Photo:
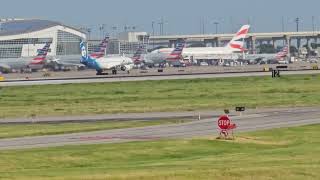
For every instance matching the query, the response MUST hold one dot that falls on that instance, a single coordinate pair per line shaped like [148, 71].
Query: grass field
[10, 131]
[289, 153]
[167, 95]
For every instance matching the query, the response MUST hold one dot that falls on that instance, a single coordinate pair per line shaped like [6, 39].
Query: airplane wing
[4, 66]
[66, 62]
[71, 64]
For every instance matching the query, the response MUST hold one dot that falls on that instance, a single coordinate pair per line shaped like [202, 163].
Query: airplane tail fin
[176, 54]
[42, 54]
[237, 42]
[84, 54]
[283, 53]
[100, 50]
[137, 56]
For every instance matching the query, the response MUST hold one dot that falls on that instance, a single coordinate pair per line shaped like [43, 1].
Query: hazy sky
[181, 16]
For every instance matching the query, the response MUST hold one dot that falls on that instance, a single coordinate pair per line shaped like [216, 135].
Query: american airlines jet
[26, 63]
[152, 58]
[279, 57]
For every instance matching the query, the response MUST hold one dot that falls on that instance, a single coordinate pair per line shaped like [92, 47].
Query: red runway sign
[224, 122]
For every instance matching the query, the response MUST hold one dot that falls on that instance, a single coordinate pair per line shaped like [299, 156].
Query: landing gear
[99, 72]
[114, 71]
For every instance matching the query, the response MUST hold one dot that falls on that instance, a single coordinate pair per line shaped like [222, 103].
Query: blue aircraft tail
[87, 60]
[84, 53]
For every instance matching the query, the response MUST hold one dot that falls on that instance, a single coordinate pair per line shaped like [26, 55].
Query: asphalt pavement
[253, 120]
[146, 78]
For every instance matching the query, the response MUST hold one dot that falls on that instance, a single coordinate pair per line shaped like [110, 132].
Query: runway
[253, 120]
[145, 78]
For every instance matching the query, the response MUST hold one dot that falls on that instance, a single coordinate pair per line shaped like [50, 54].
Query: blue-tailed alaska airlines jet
[102, 64]
[73, 60]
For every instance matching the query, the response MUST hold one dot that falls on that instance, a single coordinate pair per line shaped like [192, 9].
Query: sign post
[240, 109]
[224, 122]
[226, 126]
[275, 73]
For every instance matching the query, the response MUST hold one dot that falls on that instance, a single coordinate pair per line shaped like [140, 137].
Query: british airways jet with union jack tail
[234, 46]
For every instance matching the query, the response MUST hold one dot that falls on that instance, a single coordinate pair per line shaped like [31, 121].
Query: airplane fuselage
[15, 63]
[253, 58]
[199, 51]
[160, 55]
[109, 63]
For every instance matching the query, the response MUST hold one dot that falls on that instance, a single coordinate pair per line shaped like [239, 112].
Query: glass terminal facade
[13, 48]
[116, 47]
[22, 38]
[68, 44]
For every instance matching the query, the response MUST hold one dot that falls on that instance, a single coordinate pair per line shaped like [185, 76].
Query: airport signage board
[275, 73]
[224, 122]
[240, 109]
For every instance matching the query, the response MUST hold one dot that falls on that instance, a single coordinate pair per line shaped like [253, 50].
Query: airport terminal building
[23, 38]
[126, 43]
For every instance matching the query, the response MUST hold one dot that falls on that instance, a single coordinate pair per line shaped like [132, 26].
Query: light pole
[231, 23]
[216, 23]
[114, 28]
[202, 26]
[162, 24]
[160, 28]
[152, 24]
[282, 24]
[89, 33]
[313, 24]
[297, 20]
[102, 30]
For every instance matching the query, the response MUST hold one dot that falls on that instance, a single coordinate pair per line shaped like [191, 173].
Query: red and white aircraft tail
[176, 54]
[237, 42]
[137, 57]
[283, 53]
[100, 51]
[41, 56]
